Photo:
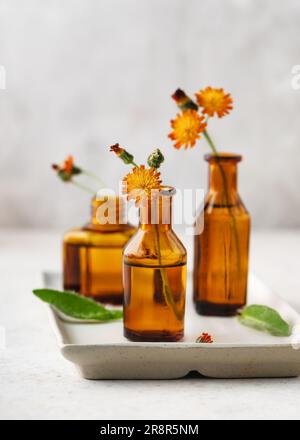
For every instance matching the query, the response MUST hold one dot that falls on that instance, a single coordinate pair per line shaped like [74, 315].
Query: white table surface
[36, 382]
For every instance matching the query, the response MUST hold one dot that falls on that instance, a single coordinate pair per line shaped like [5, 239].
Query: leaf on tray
[264, 318]
[74, 305]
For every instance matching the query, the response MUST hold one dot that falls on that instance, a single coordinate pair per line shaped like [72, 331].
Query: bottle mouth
[223, 157]
[167, 191]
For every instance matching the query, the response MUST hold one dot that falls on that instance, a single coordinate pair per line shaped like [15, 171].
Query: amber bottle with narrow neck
[154, 275]
[92, 255]
[221, 249]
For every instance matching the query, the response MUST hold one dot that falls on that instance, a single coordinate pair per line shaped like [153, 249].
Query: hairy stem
[83, 187]
[93, 176]
[165, 282]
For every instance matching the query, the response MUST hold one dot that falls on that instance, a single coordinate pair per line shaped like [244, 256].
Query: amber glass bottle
[92, 255]
[154, 275]
[221, 250]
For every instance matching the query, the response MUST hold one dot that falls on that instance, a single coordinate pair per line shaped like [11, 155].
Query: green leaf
[77, 306]
[264, 318]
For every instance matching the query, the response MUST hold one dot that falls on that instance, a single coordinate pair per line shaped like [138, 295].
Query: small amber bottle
[221, 250]
[92, 255]
[154, 275]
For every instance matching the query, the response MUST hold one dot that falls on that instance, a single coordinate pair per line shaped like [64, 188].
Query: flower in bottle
[140, 183]
[187, 128]
[214, 101]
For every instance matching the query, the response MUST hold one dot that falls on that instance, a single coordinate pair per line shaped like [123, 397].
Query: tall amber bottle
[92, 255]
[221, 250]
[154, 275]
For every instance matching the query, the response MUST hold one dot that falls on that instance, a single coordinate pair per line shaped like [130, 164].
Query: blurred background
[82, 75]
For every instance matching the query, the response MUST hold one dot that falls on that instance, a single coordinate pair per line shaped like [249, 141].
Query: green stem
[227, 201]
[83, 187]
[165, 282]
[210, 142]
[134, 164]
[93, 176]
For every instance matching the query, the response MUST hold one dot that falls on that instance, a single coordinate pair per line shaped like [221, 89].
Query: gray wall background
[82, 75]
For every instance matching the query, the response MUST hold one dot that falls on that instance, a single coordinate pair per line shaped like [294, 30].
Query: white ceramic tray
[100, 351]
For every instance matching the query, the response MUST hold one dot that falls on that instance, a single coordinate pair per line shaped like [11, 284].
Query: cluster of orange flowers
[189, 124]
[187, 127]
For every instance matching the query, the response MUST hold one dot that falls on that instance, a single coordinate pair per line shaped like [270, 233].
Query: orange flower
[187, 128]
[68, 164]
[140, 182]
[214, 101]
[117, 149]
[67, 170]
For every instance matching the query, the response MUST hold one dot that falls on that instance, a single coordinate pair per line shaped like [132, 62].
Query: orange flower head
[67, 170]
[214, 101]
[117, 149]
[205, 338]
[140, 183]
[187, 128]
[68, 164]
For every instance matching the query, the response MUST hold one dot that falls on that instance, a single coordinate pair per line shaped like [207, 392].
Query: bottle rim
[166, 190]
[234, 157]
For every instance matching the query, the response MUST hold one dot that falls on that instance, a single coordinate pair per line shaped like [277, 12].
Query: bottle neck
[156, 213]
[223, 178]
[217, 177]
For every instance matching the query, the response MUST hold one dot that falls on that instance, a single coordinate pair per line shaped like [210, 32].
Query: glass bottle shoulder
[214, 206]
[142, 249]
[99, 237]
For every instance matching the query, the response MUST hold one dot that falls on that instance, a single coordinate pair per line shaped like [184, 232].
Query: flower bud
[155, 159]
[183, 101]
[122, 154]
